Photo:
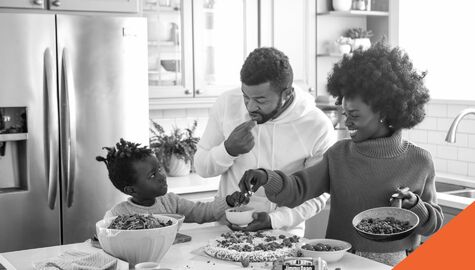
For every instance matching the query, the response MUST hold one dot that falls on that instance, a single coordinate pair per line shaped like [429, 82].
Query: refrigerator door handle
[69, 139]
[50, 129]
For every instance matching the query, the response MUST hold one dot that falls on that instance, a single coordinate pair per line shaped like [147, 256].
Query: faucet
[453, 128]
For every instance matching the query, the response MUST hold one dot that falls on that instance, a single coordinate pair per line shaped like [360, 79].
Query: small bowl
[147, 266]
[382, 213]
[329, 256]
[240, 215]
[178, 217]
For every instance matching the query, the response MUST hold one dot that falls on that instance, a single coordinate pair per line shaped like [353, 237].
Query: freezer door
[27, 79]
[104, 97]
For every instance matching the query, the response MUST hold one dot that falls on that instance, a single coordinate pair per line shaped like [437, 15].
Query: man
[265, 124]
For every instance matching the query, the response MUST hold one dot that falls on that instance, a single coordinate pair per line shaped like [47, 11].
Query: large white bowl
[329, 256]
[239, 215]
[135, 246]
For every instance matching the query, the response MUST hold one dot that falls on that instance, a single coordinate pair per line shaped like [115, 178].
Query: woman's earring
[381, 121]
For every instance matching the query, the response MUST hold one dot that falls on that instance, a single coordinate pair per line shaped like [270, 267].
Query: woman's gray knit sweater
[360, 176]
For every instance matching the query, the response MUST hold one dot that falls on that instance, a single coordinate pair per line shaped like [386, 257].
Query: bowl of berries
[330, 250]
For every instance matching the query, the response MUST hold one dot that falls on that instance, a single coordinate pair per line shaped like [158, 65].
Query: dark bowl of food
[385, 223]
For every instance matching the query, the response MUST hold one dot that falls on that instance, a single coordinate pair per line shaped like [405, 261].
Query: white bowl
[240, 215]
[178, 217]
[135, 246]
[329, 256]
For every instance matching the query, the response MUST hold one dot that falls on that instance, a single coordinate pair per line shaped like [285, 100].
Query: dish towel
[76, 260]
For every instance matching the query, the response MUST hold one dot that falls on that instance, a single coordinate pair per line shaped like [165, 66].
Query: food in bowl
[330, 250]
[387, 225]
[240, 216]
[137, 245]
[137, 222]
[178, 217]
[321, 247]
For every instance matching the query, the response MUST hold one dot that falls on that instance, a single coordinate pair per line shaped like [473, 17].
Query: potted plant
[344, 44]
[174, 151]
[360, 38]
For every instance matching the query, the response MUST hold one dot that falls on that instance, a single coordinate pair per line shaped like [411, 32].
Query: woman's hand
[261, 221]
[252, 180]
[408, 198]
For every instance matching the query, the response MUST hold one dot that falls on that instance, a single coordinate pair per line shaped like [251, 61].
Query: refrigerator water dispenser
[13, 149]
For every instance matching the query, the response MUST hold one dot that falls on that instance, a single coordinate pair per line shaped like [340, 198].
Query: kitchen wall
[181, 118]
[457, 158]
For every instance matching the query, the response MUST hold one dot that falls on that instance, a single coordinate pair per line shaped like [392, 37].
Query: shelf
[337, 55]
[354, 13]
[167, 43]
[13, 137]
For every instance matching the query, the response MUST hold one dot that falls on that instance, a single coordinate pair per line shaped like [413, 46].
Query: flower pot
[342, 5]
[178, 166]
[344, 48]
[363, 43]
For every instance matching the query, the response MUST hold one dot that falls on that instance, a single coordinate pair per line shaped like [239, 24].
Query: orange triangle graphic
[452, 247]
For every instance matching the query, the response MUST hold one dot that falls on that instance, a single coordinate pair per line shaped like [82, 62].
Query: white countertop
[192, 183]
[454, 201]
[189, 256]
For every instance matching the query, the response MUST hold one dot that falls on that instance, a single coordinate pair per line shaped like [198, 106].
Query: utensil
[394, 211]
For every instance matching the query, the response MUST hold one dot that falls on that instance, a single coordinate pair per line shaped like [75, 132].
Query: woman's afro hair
[386, 80]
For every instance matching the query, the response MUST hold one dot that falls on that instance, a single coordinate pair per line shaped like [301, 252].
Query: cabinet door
[36, 4]
[225, 31]
[129, 6]
[290, 26]
[170, 56]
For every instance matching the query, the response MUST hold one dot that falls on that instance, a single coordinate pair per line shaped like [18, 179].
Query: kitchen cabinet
[290, 26]
[380, 17]
[196, 48]
[129, 6]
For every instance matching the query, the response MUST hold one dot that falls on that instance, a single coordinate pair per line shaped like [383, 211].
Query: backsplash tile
[181, 118]
[457, 158]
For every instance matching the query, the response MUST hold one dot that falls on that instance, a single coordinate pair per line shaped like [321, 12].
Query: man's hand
[261, 221]
[236, 199]
[241, 140]
[252, 180]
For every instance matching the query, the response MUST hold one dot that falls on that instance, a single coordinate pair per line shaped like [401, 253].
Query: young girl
[381, 94]
[136, 172]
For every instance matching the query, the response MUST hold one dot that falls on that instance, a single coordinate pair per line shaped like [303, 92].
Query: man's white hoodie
[296, 139]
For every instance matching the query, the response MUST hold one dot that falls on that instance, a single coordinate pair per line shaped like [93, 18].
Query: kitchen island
[187, 256]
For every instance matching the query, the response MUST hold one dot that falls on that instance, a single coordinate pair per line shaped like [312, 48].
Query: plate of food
[245, 247]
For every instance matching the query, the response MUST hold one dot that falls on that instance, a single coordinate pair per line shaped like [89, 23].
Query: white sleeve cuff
[222, 157]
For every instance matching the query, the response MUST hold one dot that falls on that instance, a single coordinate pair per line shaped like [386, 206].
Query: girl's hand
[252, 180]
[237, 199]
[408, 198]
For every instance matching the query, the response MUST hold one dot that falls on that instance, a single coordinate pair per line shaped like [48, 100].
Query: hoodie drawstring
[258, 148]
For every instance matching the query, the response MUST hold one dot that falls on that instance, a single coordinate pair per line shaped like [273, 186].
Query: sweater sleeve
[285, 218]
[211, 158]
[199, 212]
[429, 212]
[299, 187]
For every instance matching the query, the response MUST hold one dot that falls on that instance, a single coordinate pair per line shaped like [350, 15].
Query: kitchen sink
[444, 187]
[467, 193]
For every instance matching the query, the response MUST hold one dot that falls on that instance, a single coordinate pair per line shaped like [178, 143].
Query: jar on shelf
[342, 5]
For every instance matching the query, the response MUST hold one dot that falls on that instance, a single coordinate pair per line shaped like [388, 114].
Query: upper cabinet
[196, 48]
[290, 26]
[128, 6]
[335, 18]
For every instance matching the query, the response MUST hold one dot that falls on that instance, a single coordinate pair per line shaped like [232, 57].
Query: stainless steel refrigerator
[82, 81]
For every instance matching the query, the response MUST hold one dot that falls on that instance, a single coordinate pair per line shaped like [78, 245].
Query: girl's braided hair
[119, 161]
